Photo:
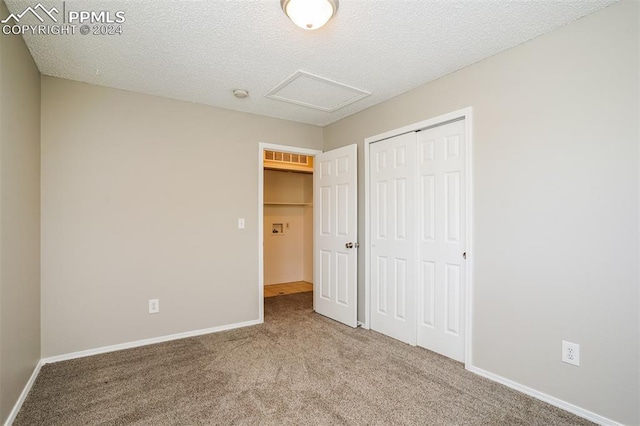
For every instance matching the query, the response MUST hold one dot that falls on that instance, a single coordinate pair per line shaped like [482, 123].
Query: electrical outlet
[241, 223]
[154, 306]
[571, 353]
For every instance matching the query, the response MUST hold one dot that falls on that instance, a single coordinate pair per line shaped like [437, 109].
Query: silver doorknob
[349, 245]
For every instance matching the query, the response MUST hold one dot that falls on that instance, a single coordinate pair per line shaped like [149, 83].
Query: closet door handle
[349, 245]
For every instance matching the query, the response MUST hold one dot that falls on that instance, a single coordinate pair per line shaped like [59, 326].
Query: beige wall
[283, 252]
[555, 205]
[140, 200]
[19, 218]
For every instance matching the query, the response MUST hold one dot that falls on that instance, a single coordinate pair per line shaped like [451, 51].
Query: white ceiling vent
[313, 91]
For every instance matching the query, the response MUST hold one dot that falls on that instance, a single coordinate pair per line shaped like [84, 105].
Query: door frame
[262, 146]
[467, 115]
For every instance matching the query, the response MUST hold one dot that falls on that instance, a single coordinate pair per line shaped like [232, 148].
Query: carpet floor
[296, 368]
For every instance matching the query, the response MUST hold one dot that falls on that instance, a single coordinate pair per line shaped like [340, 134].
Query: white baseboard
[23, 395]
[586, 414]
[144, 342]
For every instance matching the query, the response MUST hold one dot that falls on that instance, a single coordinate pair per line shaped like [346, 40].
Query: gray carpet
[296, 368]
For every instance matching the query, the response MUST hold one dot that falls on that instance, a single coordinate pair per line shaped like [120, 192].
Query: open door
[336, 235]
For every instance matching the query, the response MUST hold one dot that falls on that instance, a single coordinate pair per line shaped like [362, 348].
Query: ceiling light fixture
[309, 14]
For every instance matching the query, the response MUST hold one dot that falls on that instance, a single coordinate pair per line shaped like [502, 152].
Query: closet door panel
[440, 285]
[393, 237]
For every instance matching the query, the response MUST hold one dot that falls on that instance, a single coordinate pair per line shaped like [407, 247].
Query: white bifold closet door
[393, 237]
[417, 193]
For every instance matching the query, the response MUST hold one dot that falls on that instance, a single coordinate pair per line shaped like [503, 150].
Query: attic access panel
[313, 91]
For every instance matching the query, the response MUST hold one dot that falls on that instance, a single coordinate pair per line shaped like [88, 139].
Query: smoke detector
[240, 93]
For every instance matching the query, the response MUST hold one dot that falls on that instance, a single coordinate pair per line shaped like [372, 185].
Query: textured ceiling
[200, 51]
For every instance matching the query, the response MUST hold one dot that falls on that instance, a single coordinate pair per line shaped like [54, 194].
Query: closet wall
[288, 252]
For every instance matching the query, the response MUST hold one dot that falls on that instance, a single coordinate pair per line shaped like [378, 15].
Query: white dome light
[309, 14]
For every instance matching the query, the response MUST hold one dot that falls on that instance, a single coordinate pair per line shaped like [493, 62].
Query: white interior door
[393, 237]
[441, 230]
[335, 202]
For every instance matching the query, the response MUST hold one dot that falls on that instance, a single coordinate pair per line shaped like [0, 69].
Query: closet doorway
[285, 221]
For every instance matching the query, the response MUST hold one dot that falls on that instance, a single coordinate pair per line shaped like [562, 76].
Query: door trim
[467, 115]
[262, 146]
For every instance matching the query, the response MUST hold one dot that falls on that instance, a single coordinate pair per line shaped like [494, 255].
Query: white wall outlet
[154, 306]
[571, 353]
[241, 223]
